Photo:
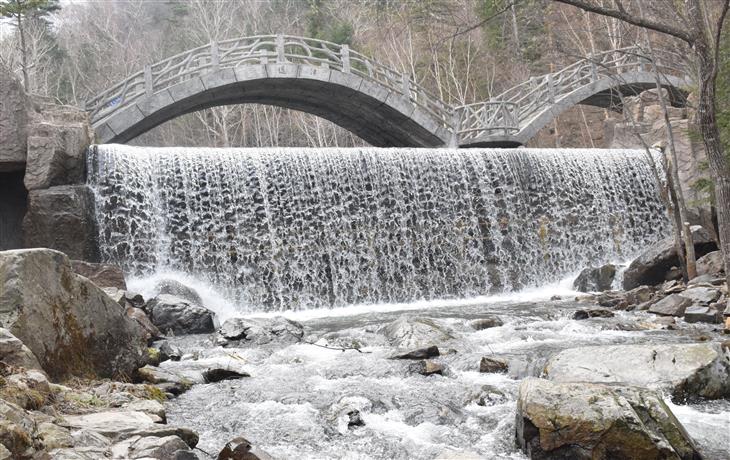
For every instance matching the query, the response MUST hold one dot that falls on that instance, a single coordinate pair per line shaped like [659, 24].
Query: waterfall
[280, 229]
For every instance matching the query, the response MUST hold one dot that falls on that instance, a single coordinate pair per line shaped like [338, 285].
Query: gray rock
[593, 313]
[147, 447]
[69, 324]
[421, 353]
[260, 331]
[177, 289]
[701, 295]
[683, 370]
[152, 333]
[639, 295]
[486, 323]
[652, 266]
[589, 421]
[241, 449]
[673, 305]
[595, 279]
[14, 107]
[15, 353]
[426, 367]
[726, 313]
[168, 351]
[702, 314]
[103, 275]
[181, 316]
[218, 375]
[711, 264]
[493, 365]
[56, 152]
[413, 332]
[62, 218]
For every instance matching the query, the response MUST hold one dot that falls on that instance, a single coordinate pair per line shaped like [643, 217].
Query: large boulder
[103, 275]
[558, 420]
[70, 324]
[56, 152]
[711, 264]
[178, 289]
[415, 332]
[652, 266]
[62, 218]
[259, 331]
[595, 279]
[14, 107]
[171, 313]
[686, 371]
[672, 305]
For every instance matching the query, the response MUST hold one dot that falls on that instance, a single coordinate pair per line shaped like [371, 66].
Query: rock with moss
[557, 420]
[685, 371]
[69, 324]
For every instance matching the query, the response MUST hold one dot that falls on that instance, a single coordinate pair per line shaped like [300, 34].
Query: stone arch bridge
[380, 105]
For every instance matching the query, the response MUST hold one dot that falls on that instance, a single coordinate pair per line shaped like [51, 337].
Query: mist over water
[287, 229]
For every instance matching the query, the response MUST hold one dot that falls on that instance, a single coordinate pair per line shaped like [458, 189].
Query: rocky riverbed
[90, 370]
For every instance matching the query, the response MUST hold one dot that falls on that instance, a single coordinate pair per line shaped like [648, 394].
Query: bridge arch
[515, 116]
[378, 104]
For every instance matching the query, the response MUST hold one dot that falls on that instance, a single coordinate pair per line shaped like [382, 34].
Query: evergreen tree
[20, 11]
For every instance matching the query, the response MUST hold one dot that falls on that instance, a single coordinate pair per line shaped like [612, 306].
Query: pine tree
[19, 11]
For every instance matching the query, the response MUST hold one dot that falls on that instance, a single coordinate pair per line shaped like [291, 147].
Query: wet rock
[354, 419]
[593, 313]
[241, 449]
[13, 352]
[652, 266]
[701, 295]
[103, 275]
[168, 351]
[152, 333]
[171, 382]
[69, 324]
[171, 313]
[414, 332]
[684, 370]
[177, 289]
[62, 218]
[426, 367]
[612, 300]
[639, 295]
[260, 331]
[421, 353]
[583, 420]
[493, 365]
[702, 314]
[217, 375]
[595, 279]
[711, 264]
[486, 323]
[673, 305]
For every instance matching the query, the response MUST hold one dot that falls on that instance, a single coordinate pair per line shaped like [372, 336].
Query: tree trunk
[23, 54]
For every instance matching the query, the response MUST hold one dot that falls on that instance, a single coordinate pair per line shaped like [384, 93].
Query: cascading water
[285, 229]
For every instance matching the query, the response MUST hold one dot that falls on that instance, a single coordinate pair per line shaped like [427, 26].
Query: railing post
[455, 126]
[148, 80]
[280, 57]
[264, 57]
[551, 88]
[406, 86]
[594, 69]
[215, 57]
[345, 56]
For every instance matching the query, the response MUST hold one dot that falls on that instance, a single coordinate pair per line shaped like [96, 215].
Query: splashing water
[287, 229]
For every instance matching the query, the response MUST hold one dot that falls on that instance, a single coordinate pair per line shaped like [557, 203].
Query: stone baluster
[345, 57]
[148, 87]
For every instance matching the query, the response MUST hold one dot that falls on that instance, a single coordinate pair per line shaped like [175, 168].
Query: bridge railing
[533, 96]
[263, 49]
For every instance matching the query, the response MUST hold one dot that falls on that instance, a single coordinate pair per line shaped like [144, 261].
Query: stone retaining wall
[42, 146]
